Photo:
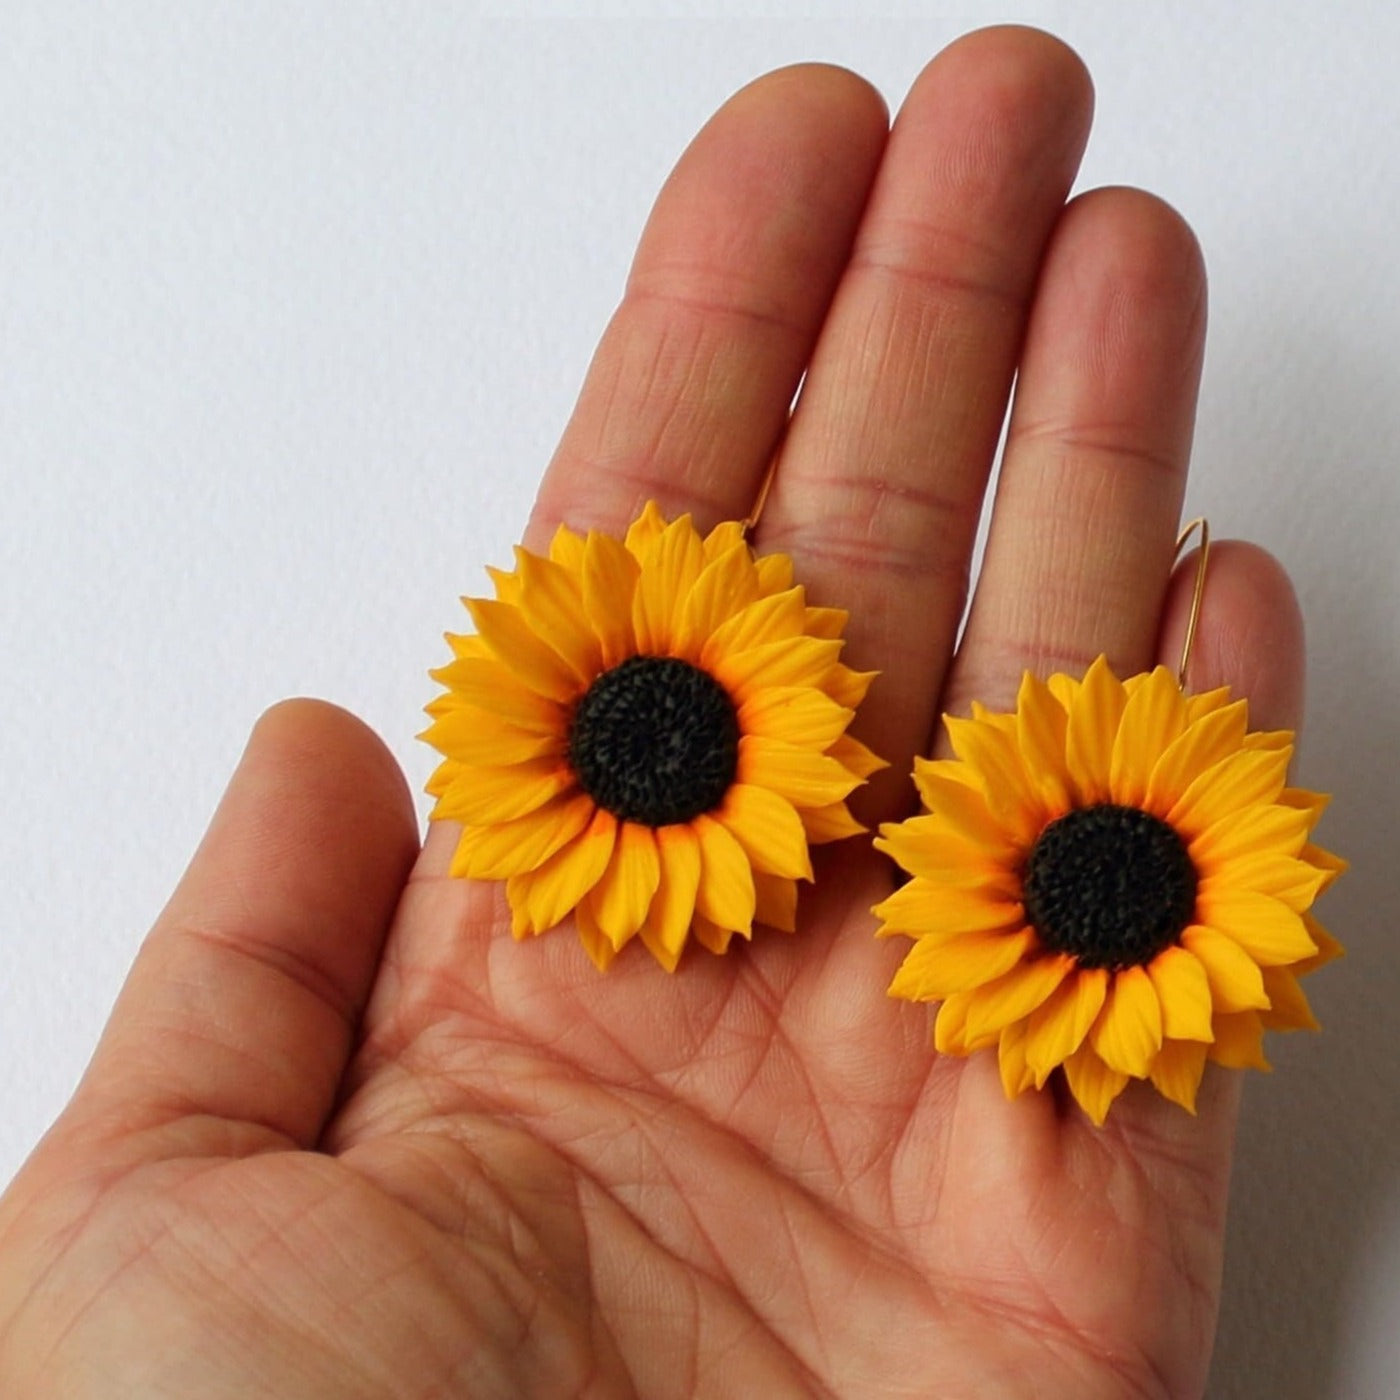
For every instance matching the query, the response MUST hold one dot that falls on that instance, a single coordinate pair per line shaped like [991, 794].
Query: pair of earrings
[650, 733]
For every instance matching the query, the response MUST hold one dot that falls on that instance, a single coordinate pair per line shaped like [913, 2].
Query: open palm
[345, 1138]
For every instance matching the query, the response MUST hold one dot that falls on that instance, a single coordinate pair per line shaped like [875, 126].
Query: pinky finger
[1250, 638]
[1250, 635]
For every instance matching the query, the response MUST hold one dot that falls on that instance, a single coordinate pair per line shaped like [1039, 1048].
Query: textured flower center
[655, 740]
[1112, 886]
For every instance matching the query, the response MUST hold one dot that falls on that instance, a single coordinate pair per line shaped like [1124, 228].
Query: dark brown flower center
[655, 740]
[1111, 886]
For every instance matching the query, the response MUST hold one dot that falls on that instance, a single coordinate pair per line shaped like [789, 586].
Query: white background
[294, 301]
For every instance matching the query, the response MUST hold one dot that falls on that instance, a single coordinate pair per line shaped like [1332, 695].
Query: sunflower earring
[648, 734]
[1114, 879]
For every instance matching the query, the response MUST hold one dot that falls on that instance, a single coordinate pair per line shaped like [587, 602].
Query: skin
[344, 1138]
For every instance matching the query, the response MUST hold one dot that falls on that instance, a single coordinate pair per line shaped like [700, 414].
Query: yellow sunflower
[647, 734]
[1114, 879]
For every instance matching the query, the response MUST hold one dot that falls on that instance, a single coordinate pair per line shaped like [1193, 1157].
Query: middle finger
[880, 482]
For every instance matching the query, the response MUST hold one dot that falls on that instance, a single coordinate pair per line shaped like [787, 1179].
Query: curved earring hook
[1197, 593]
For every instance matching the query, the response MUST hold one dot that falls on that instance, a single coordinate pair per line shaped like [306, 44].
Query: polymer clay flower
[647, 734]
[1114, 879]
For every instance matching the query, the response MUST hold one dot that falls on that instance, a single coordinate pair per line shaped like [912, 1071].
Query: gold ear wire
[1197, 593]
[751, 520]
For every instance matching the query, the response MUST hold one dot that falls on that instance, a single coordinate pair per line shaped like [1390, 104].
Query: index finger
[688, 393]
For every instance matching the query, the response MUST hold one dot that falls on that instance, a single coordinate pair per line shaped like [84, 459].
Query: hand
[343, 1137]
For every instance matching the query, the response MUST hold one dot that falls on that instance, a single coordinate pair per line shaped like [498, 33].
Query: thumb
[244, 999]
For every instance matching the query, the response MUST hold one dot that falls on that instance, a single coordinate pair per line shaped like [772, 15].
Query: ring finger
[1083, 529]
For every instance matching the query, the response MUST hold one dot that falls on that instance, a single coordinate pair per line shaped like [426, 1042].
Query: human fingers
[1084, 525]
[689, 390]
[1140, 1201]
[1250, 638]
[880, 481]
[243, 1001]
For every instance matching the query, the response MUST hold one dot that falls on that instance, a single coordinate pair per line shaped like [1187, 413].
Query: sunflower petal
[1330, 864]
[936, 968]
[1293, 882]
[1239, 782]
[1153, 718]
[723, 538]
[831, 823]
[650, 940]
[825, 622]
[1288, 1004]
[1206, 702]
[468, 647]
[645, 531]
[473, 736]
[725, 587]
[923, 909]
[848, 687]
[1094, 720]
[796, 715]
[507, 584]
[486, 684]
[595, 942]
[855, 757]
[791, 661]
[1064, 688]
[725, 895]
[966, 811]
[1240, 834]
[441, 705]
[775, 901]
[1177, 1071]
[992, 754]
[553, 606]
[669, 572]
[532, 661]
[609, 586]
[1057, 1027]
[1094, 1084]
[442, 778]
[771, 618]
[1313, 803]
[947, 770]
[1041, 723]
[1184, 991]
[510, 848]
[1128, 1032]
[1328, 949]
[566, 548]
[1015, 994]
[950, 1033]
[1016, 1075]
[774, 573]
[1236, 983]
[520, 925]
[768, 828]
[1201, 745]
[804, 777]
[1267, 929]
[623, 894]
[673, 910]
[711, 935]
[548, 894]
[925, 846]
[1239, 1042]
[482, 796]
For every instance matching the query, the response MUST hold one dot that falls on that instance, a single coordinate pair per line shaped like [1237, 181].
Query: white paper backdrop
[294, 300]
